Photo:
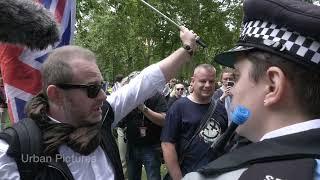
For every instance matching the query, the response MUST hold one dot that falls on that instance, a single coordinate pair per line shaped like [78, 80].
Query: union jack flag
[20, 67]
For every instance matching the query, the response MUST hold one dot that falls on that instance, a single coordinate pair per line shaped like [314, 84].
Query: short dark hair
[305, 83]
[227, 70]
[118, 77]
[57, 70]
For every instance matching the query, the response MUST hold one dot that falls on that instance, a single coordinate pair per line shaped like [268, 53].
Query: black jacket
[271, 156]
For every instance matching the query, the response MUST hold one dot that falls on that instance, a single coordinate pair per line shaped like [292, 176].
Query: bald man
[185, 146]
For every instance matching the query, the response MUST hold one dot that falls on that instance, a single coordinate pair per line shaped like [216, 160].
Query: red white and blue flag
[20, 67]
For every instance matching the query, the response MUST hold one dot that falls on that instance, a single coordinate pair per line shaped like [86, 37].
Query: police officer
[277, 64]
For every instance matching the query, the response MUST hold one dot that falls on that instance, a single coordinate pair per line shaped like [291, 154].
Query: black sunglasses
[92, 89]
[178, 89]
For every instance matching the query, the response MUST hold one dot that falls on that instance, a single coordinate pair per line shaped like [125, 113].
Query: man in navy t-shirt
[183, 119]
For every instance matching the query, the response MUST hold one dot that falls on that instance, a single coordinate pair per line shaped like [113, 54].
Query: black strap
[24, 139]
[32, 144]
[108, 143]
[10, 136]
[29, 136]
[203, 122]
[61, 166]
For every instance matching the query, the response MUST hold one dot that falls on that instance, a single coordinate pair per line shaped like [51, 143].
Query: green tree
[126, 35]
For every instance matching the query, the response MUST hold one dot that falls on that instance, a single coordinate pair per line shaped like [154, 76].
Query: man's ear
[192, 81]
[54, 94]
[275, 85]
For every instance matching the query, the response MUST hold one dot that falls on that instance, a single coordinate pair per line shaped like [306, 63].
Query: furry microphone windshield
[26, 23]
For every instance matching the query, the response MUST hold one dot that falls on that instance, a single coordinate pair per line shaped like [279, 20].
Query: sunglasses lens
[93, 90]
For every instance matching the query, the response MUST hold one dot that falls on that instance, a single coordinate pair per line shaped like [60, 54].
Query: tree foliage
[126, 35]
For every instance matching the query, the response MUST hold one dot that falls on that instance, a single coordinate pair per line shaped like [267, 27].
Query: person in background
[122, 145]
[227, 78]
[172, 83]
[186, 138]
[190, 90]
[169, 87]
[223, 94]
[177, 92]
[117, 83]
[143, 129]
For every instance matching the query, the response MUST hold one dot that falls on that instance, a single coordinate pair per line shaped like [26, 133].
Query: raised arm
[152, 79]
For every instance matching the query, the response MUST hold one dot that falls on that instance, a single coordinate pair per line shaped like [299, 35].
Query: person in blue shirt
[186, 147]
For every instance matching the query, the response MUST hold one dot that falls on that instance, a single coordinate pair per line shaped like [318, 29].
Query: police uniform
[291, 30]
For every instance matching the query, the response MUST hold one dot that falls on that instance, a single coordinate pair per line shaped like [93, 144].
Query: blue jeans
[149, 156]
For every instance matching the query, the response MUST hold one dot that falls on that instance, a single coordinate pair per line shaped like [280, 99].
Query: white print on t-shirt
[211, 131]
[269, 177]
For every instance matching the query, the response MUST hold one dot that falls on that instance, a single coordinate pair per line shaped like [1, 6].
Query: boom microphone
[26, 23]
[238, 117]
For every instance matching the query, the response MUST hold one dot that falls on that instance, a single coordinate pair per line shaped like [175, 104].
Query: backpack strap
[24, 140]
[30, 145]
[205, 118]
[61, 166]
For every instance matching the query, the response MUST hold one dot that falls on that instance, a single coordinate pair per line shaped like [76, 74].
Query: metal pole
[161, 14]
[198, 40]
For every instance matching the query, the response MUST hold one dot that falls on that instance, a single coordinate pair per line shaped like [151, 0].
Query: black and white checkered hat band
[292, 42]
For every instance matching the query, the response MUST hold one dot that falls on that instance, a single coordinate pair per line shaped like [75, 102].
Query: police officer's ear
[55, 94]
[276, 86]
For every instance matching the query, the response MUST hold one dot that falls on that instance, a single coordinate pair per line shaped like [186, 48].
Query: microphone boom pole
[161, 14]
[198, 40]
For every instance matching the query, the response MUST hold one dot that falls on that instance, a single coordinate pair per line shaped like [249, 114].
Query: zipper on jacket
[64, 175]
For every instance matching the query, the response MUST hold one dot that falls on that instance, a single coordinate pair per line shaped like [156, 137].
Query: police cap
[287, 28]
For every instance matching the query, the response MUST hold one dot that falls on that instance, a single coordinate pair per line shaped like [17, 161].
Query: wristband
[145, 108]
[188, 49]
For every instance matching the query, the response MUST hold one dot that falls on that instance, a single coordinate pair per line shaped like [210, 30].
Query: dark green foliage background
[126, 35]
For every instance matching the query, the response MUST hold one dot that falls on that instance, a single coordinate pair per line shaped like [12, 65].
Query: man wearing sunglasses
[75, 117]
[176, 93]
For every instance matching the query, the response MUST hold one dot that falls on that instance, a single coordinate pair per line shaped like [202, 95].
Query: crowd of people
[138, 134]
[273, 72]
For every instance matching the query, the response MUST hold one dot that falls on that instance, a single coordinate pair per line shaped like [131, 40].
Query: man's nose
[208, 84]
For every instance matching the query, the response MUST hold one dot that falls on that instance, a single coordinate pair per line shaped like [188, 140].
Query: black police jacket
[283, 156]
